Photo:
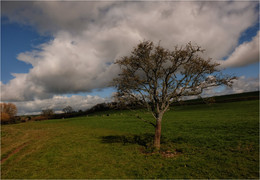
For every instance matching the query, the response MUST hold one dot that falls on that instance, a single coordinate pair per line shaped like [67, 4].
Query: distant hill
[238, 97]
[223, 98]
[215, 99]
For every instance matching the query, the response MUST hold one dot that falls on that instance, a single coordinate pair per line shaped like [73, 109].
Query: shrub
[39, 118]
[8, 112]
[5, 118]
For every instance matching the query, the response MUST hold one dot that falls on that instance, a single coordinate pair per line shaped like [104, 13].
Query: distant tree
[155, 77]
[8, 112]
[68, 109]
[5, 118]
[47, 113]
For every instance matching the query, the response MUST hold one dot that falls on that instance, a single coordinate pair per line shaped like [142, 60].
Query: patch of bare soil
[16, 150]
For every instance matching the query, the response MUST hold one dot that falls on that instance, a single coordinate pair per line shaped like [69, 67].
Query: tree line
[8, 113]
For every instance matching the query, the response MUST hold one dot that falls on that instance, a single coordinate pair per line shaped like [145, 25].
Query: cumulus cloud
[89, 36]
[240, 85]
[66, 65]
[245, 54]
[244, 84]
[57, 103]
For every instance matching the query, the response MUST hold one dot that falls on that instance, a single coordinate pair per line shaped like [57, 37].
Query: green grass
[216, 141]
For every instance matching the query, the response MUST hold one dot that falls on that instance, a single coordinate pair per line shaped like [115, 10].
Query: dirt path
[16, 150]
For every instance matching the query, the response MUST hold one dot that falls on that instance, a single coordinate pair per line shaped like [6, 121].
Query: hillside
[214, 99]
[217, 141]
[225, 98]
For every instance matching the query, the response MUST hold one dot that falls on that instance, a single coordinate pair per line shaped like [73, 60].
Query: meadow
[210, 141]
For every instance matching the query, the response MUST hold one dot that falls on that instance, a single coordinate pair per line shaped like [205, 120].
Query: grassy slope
[217, 141]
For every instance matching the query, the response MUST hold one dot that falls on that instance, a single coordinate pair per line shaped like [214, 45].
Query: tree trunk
[157, 137]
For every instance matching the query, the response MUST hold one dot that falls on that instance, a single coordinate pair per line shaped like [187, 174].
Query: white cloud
[57, 103]
[65, 65]
[244, 84]
[245, 54]
[89, 36]
[240, 85]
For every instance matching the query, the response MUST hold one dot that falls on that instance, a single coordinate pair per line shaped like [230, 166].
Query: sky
[60, 53]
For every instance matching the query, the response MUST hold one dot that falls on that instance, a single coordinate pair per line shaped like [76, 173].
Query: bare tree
[155, 77]
[47, 113]
[68, 109]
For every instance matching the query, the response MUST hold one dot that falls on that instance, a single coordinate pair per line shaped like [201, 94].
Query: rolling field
[216, 141]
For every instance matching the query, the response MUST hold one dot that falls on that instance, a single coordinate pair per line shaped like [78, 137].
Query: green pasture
[210, 141]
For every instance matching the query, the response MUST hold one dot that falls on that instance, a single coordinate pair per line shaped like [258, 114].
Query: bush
[39, 118]
[5, 118]
[8, 112]
[25, 119]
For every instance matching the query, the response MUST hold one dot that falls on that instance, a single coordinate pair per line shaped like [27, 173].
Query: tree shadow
[142, 140]
[145, 140]
[146, 143]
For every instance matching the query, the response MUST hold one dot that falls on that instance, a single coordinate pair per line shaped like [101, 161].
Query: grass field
[216, 141]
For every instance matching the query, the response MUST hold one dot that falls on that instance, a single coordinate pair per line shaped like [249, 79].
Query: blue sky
[17, 38]
[51, 58]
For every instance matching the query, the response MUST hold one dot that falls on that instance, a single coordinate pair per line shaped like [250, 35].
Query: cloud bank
[57, 103]
[89, 36]
[240, 85]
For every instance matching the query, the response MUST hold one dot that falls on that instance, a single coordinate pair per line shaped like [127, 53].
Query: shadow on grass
[145, 140]
[146, 143]
[142, 140]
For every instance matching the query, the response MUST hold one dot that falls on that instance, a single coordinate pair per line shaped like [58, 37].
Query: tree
[5, 118]
[8, 112]
[47, 113]
[155, 77]
[68, 109]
